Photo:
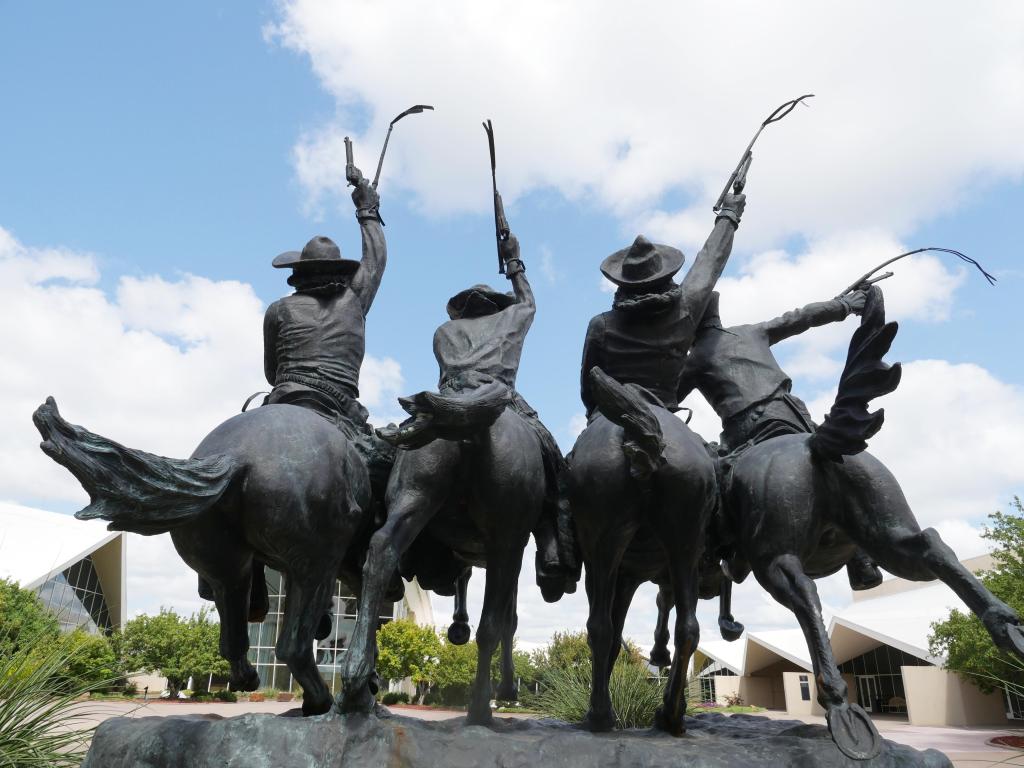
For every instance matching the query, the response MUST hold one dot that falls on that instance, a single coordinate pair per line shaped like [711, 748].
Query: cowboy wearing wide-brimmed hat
[644, 339]
[314, 340]
[736, 372]
[478, 351]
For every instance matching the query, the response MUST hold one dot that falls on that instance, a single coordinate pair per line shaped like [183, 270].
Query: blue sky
[168, 141]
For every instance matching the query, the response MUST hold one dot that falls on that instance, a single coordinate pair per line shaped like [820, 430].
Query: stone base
[268, 741]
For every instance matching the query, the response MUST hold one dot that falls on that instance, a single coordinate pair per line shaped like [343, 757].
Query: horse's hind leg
[919, 555]
[660, 656]
[602, 575]
[851, 728]
[303, 609]
[507, 688]
[503, 567]
[225, 568]
[232, 600]
[458, 631]
[420, 483]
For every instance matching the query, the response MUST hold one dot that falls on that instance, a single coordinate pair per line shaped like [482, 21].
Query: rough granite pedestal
[391, 741]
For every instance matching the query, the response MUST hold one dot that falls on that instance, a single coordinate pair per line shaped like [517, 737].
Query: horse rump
[849, 425]
[626, 405]
[134, 490]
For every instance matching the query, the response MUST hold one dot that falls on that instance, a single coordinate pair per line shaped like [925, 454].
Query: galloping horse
[801, 504]
[280, 484]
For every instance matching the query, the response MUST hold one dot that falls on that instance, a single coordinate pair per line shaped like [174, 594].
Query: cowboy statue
[736, 372]
[641, 484]
[478, 352]
[314, 343]
[477, 474]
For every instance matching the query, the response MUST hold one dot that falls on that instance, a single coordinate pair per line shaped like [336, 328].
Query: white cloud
[917, 105]
[548, 267]
[156, 366]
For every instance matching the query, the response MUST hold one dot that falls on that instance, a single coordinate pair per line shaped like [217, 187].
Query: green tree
[174, 647]
[962, 638]
[405, 649]
[455, 672]
[24, 620]
[92, 661]
[567, 650]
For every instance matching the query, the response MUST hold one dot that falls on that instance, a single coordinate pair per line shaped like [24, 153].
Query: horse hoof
[311, 706]
[479, 715]
[323, 627]
[730, 630]
[596, 723]
[458, 633]
[249, 680]
[1015, 639]
[357, 699]
[507, 693]
[671, 726]
[853, 732]
[660, 657]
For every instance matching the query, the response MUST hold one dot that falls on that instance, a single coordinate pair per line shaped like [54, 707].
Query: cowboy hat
[320, 252]
[642, 264]
[478, 300]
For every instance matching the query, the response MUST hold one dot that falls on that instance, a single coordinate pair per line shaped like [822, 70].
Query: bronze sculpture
[641, 483]
[284, 484]
[477, 474]
[300, 483]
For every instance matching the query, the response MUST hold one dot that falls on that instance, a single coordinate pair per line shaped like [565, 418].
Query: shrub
[201, 696]
[42, 720]
[395, 697]
[226, 695]
[565, 693]
[733, 700]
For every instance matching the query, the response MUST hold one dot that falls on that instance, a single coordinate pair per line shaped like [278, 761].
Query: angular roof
[36, 544]
[898, 613]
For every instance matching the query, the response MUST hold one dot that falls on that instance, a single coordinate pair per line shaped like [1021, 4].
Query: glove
[364, 196]
[732, 208]
[854, 302]
[509, 250]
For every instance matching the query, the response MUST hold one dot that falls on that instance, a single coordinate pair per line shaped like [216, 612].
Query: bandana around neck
[646, 302]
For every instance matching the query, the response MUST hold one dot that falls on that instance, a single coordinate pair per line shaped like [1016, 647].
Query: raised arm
[367, 278]
[515, 270]
[708, 266]
[797, 321]
[270, 323]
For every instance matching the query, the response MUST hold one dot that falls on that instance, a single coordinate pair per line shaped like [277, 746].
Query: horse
[642, 489]
[279, 485]
[800, 505]
[479, 496]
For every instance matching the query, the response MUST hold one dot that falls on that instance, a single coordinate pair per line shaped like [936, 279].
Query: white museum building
[880, 642]
[77, 567]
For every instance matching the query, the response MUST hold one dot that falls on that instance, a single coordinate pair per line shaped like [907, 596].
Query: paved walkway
[966, 747]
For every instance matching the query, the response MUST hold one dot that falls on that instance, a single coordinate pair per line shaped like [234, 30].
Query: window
[330, 652]
[805, 688]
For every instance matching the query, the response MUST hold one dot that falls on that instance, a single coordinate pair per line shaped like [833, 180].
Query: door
[867, 691]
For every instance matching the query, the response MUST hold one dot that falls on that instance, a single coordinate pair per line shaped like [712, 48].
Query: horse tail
[457, 416]
[134, 490]
[626, 406]
[849, 425]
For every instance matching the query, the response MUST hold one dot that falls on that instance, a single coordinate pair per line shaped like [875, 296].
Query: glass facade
[706, 678]
[330, 651]
[879, 679]
[76, 598]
